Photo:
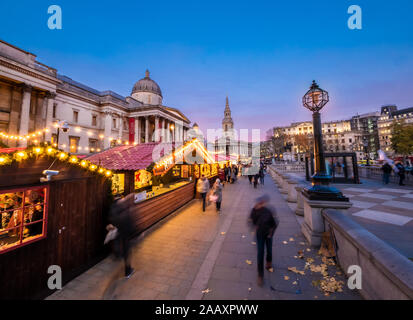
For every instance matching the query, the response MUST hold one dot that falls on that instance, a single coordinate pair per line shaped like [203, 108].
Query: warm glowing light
[77, 129]
[101, 136]
[108, 172]
[93, 167]
[73, 159]
[38, 150]
[98, 150]
[21, 154]
[101, 170]
[2, 160]
[83, 163]
[62, 155]
[49, 150]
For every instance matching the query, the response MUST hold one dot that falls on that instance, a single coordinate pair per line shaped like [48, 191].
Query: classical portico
[33, 97]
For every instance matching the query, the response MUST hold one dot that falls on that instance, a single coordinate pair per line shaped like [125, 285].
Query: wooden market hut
[69, 228]
[161, 159]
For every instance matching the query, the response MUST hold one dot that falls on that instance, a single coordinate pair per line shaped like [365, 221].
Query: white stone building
[34, 96]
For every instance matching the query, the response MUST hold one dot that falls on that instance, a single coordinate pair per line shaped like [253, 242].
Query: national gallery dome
[147, 91]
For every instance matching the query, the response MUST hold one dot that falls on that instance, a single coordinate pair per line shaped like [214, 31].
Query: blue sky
[262, 54]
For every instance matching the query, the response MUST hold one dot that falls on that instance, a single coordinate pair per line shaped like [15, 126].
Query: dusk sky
[262, 54]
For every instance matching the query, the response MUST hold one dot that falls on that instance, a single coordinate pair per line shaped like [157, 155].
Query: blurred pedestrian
[401, 173]
[256, 178]
[120, 218]
[217, 194]
[387, 169]
[202, 187]
[265, 224]
[262, 175]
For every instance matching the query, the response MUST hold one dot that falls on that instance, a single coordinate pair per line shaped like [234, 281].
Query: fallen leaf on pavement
[253, 243]
[291, 239]
[206, 291]
[295, 282]
[310, 260]
[308, 250]
[248, 261]
[302, 243]
[222, 232]
[271, 269]
[286, 278]
[249, 289]
[285, 242]
[294, 269]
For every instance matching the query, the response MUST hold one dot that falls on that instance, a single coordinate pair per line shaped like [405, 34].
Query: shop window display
[23, 217]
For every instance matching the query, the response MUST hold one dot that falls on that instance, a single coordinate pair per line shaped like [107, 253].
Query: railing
[290, 167]
[375, 173]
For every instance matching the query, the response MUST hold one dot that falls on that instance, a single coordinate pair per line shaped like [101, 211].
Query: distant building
[228, 145]
[389, 115]
[366, 125]
[337, 137]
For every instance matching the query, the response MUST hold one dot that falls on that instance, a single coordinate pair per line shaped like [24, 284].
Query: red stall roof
[10, 150]
[129, 157]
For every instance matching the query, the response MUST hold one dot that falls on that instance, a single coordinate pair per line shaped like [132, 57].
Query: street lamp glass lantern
[315, 98]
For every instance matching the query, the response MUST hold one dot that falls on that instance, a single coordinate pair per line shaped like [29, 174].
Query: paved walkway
[195, 255]
[384, 210]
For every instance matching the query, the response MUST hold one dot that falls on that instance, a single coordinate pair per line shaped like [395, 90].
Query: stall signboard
[185, 171]
[205, 170]
[214, 169]
[196, 171]
[118, 183]
[176, 171]
[143, 178]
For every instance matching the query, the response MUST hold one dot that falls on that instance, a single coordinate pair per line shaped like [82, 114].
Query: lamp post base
[324, 193]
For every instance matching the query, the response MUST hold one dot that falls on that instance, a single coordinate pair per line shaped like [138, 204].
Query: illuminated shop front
[45, 220]
[23, 216]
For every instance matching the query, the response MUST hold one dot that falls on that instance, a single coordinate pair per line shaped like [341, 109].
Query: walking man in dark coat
[265, 225]
[120, 217]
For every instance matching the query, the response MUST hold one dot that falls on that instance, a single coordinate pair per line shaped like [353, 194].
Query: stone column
[108, 130]
[137, 131]
[49, 114]
[313, 226]
[156, 132]
[146, 129]
[25, 113]
[163, 135]
[120, 128]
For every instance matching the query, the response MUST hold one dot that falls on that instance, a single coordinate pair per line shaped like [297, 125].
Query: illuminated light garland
[179, 153]
[36, 134]
[35, 151]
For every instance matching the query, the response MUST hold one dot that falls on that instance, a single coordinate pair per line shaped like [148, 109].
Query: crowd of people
[398, 169]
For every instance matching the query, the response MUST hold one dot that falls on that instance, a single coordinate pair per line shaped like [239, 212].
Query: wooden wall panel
[23, 271]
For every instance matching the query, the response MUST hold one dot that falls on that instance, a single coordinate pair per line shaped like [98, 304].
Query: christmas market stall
[53, 213]
[162, 176]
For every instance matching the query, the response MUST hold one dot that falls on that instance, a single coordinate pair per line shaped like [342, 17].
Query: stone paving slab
[191, 251]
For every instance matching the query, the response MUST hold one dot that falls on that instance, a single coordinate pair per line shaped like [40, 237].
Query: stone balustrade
[385, 273]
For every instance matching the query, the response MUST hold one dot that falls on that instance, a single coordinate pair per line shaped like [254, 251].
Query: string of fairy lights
[47, 150]
[36, 138]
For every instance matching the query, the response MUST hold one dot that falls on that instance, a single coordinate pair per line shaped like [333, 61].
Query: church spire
[147, 73]
[227, 122]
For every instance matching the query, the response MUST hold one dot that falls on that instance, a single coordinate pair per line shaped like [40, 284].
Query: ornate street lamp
[314, 100]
